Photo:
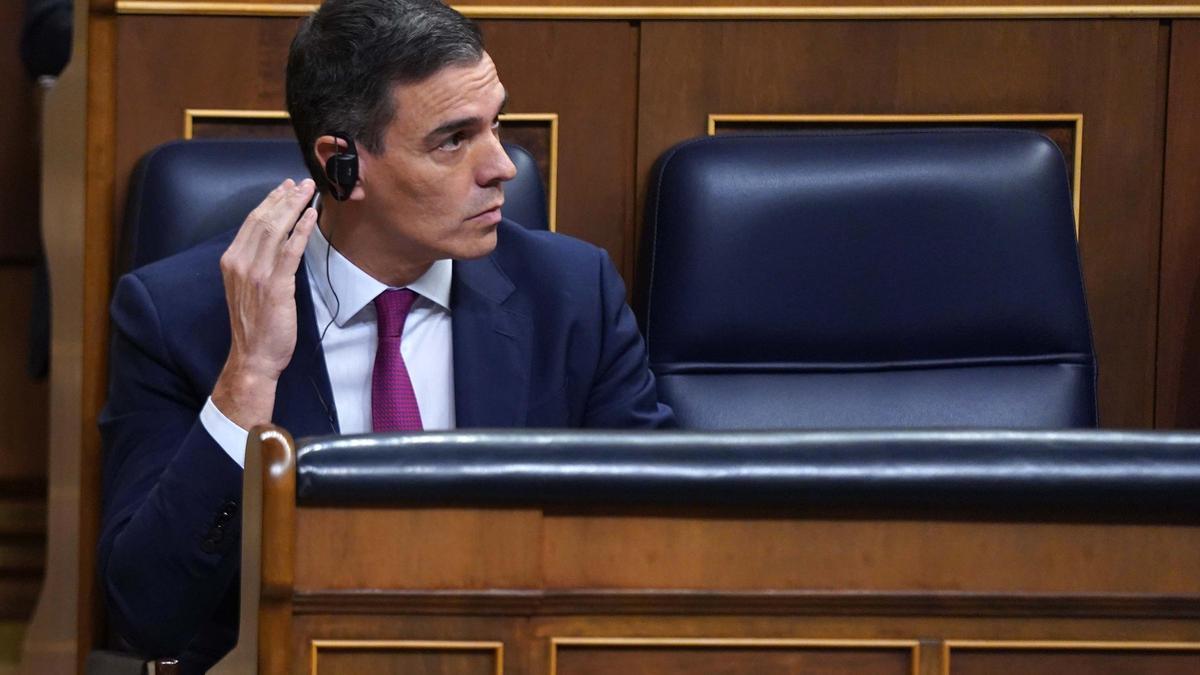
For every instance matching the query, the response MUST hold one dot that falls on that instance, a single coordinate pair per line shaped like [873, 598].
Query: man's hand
[259, 271]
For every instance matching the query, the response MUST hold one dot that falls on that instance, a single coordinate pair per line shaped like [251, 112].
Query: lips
[494, 207]
[490, 213]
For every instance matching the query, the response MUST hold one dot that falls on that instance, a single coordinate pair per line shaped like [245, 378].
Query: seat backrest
[878, 279]
[184, 192]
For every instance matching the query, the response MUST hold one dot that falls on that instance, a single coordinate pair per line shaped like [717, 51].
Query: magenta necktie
[393, 402]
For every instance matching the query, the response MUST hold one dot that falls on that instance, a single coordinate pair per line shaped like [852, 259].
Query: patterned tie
[393, 402]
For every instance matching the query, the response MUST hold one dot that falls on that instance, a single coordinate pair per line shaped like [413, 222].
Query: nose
[497, 167]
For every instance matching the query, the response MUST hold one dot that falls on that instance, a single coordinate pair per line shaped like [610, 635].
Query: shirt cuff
[225, 432]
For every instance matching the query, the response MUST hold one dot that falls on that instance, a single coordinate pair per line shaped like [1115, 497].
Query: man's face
[435, 188]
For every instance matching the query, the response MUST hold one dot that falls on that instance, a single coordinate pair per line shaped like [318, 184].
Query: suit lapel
[304, 400]
[492, 348]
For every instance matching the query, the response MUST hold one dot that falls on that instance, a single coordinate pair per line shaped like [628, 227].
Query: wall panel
[166, 65]
[584, 72]
[627, 87]
[1111, 72]
[22, 398]
[1178, 399]
[587, 74]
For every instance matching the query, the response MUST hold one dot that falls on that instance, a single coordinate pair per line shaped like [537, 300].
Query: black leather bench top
[1109, 474]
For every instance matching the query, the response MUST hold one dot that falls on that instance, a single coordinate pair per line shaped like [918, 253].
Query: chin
[477, 247]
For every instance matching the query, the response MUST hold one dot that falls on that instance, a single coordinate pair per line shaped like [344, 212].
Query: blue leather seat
[878, 279]
[184, 192]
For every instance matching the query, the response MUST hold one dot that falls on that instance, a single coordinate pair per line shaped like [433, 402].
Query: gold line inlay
[913, 646]
[192, 115]
[496, 647]
[1063, 645]
[552, 178]
[651, 12]
[1075, 118]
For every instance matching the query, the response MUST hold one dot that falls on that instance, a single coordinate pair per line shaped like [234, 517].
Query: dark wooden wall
[23, 399]
[625, 91]
[626, 85]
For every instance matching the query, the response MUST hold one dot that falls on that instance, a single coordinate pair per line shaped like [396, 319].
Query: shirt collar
[356, 289]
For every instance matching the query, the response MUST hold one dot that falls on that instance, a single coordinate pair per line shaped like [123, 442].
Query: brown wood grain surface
[868, 555]
[97, 264]
[427, 548]
[166, 65]
[277, 571]
[528, 641]
[519, 549]
[23, 413]
[771, 602]
[625, 91]
[1110, 71]
[1178, 393]
[402, 659]
[19, 165]
[1075, 662]
[686, 659]
[587, 74]
[730, 3]
[23, 399]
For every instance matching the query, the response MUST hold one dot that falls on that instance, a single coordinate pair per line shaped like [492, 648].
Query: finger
[248, 231]
[281, 219]
[293, 248]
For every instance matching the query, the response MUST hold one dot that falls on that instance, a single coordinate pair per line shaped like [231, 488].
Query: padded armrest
[1095, 473]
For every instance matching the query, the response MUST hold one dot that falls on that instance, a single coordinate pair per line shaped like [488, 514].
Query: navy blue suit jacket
[542, 338]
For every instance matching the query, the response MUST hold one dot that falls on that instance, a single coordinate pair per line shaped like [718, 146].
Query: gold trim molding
[497, 648]
[1075, 118]
[659, 12]
[914, 646]
[192, 115]
[1061, 645]
[552, 178]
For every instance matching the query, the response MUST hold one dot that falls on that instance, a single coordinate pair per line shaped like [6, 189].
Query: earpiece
[341, 169]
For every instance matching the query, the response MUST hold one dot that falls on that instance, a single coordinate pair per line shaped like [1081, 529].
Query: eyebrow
[454, 126]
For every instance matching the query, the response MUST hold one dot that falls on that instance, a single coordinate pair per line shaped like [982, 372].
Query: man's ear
[326, 147]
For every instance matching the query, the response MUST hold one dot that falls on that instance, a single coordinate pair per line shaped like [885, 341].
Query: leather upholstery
[1038, 473]
[184, 192]
[880, 279]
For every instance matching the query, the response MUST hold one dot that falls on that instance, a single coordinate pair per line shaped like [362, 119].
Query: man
[363, 323]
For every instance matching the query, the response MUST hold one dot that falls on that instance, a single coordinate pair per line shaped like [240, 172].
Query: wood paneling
[1109, 71]
[22, 452]
[22, 548]
[587, 74]
[23, 400]
[399, 657]
[249, 6]
[166, 65]
[1076, 662]
[433, 548]
[1178, 399]
[97, 263]
[595, 97]
[624, 92]
[19, 169]
[690, 658]
[23, 413]
[740, 554]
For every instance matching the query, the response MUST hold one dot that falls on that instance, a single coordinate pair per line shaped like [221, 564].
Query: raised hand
[259, 272]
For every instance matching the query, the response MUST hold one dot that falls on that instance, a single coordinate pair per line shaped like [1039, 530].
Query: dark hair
[347, 56]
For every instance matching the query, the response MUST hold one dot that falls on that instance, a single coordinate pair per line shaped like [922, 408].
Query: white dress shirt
[351, 340]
